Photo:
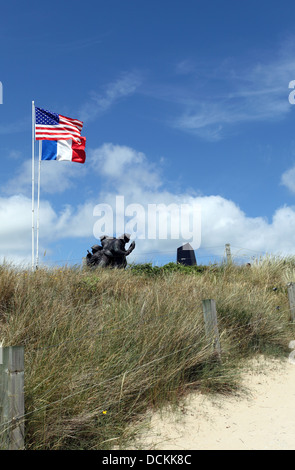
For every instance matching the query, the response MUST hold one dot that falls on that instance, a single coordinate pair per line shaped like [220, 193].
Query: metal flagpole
[33, 181]
[38, 204]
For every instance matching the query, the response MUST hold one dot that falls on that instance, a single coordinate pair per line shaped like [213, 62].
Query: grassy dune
[103, 346]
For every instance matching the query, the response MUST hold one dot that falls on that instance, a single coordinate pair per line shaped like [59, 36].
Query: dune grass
[104, 346]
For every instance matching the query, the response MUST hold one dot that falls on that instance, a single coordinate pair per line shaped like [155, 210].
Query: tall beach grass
[104, 346]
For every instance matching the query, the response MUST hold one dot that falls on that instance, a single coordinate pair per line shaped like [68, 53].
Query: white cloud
[124, 167]
[14, 154]
[16, 226]
[223, 221]
[185, 67]
[227, 94]
[288, 179]
[56, 177]
[99, 103]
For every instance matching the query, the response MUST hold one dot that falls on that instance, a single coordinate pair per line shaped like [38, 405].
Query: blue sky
[183, 102]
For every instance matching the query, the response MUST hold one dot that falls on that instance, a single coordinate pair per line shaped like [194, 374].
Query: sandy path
[261, 419]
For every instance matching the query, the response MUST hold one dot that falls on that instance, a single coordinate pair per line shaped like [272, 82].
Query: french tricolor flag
[64, 150]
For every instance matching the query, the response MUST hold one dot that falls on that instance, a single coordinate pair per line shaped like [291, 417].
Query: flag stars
[46, 117]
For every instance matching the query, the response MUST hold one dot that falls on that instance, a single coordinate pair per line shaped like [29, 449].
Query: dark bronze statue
[111, 253]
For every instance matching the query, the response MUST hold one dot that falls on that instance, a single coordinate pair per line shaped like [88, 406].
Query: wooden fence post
[211, 327]
[228, 253]
[12, 398]
[291, 296]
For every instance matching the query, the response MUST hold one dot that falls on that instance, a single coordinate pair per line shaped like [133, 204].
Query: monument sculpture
[111, 253]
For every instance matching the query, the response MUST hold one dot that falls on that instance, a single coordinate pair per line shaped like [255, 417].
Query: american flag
[52, 126]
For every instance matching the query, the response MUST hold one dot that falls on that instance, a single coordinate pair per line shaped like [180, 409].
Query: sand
[261, 417]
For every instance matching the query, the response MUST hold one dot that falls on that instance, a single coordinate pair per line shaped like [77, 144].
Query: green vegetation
[150, 270]
[104, 346]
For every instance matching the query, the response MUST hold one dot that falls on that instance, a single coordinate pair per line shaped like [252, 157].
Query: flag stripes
[52, 126]
[64, 150]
